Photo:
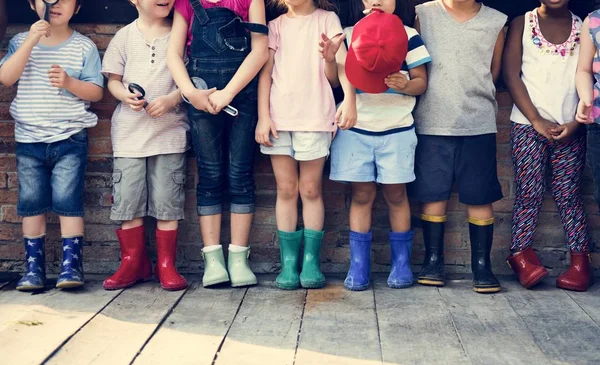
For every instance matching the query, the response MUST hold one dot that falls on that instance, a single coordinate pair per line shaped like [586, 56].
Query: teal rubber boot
[289, 249]
[239, 270]
[311, 276]
[214, 268]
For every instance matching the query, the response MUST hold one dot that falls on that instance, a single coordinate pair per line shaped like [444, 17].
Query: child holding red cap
[456, 124]
[386, 65]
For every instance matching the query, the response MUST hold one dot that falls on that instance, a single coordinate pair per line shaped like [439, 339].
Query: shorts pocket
[117, 174]
[79, 138]
[179, 188]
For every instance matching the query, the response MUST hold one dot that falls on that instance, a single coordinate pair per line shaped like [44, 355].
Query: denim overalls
[224, 145]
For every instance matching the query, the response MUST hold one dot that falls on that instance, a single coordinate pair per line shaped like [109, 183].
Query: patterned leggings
[530, 154]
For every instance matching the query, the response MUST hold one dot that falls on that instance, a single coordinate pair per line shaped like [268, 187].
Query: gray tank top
[460, 98]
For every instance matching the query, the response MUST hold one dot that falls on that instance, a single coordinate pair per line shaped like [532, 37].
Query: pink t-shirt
[301, 96]
[240, 7]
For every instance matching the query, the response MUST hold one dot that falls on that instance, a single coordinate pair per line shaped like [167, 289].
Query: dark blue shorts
[468, 161]
[51, 176]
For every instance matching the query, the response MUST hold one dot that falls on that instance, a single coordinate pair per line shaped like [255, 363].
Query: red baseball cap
[378, 48]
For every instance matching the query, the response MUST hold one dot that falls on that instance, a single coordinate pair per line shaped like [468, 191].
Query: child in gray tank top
[456, 124]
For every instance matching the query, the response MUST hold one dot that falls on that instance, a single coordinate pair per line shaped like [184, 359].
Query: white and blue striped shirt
[44, 113]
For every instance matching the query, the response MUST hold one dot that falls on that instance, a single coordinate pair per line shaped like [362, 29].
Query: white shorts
[301, 146]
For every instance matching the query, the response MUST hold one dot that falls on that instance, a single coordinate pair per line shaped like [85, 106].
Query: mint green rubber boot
[239, 270]
[214, 268]
[311, 276]
[289, 249]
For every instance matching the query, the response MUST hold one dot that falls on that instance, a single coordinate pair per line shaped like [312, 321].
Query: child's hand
[200, 100]
[584, 112]
[59, 77]
[131, 100]
[329, 47]
[160, 106]
[565, 134]
[546, 128]
[264, 129]
[397, 81]
[346, 115]
[38, 30]
[220, 99]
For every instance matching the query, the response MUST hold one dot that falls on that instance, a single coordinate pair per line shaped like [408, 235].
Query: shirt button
[154, 54]
[152, 61]
[153, 48]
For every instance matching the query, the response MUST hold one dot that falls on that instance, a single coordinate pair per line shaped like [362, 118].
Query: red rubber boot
[135, 265]
[166, 272]
[527, 266]
[578, 276]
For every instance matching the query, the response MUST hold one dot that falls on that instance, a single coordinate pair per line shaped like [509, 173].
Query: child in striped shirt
[58, 71]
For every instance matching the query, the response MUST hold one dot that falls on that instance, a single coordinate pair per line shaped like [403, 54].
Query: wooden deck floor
[263, 325]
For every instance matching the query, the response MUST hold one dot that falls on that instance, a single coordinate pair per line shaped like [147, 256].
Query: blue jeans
[593, 156]
[224, 145]
[51, 176]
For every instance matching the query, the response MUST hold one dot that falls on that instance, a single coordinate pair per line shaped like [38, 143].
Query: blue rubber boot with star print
[71, 274]
[35, 277]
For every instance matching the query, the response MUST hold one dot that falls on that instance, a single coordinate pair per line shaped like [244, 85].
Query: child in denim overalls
[227, 47]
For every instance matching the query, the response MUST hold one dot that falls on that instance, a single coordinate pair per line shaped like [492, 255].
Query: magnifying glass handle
[231, 111]
[47, 12]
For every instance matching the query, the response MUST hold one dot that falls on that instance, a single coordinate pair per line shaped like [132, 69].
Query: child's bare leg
[311, 186]
[34, 226]
[286, 208]
[363, 196]
[399, 209]
[71, 226]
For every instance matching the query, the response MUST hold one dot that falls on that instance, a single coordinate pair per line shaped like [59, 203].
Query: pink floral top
[183, 7]
[595, 34]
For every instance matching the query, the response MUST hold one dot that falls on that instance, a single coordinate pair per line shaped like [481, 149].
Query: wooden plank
[565, 333]
[416, 326]
[196, 328]
[588, 301]
[339, 327]
[490, 330]
[33, 326]
[117, 333]
[265, 331]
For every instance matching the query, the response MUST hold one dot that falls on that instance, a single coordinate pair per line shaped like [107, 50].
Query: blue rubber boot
[401, 275]
[71, 274]
[35, 277]
[360, 261]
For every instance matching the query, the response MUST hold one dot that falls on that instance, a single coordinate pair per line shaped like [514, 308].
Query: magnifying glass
[201, 85]
[49, 4]
[135, 88]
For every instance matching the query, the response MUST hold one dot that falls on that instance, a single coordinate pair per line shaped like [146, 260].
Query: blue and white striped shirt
[44, 113]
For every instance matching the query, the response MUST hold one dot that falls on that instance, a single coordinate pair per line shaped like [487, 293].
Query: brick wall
[102, 254]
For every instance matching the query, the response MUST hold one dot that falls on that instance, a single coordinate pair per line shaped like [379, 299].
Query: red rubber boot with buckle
[578, 276]
[166, 272]
[527, 266]
[135, 265]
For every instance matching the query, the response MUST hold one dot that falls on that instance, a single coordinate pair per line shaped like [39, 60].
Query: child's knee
[287, 190]
[364, 195]
[395, 195]
[310, 190]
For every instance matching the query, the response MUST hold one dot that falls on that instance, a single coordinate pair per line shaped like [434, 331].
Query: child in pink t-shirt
[226, 47]
[296, 106]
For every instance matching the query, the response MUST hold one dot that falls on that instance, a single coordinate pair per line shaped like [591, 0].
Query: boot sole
[358, 288]
[288, 286]
[312, 285]
[29, 288]
[536, 280]
[128, 285]
[214, 282]
[248, 283]
[175, 288]
[487, 290]
[400, 286]
[431, 282]
[70, 285]
[574, 288]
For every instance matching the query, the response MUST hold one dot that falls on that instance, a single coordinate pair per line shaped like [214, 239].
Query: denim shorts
[468, 161]
[150, 186]
[385, 159]
[301, 146]
[51, 176]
